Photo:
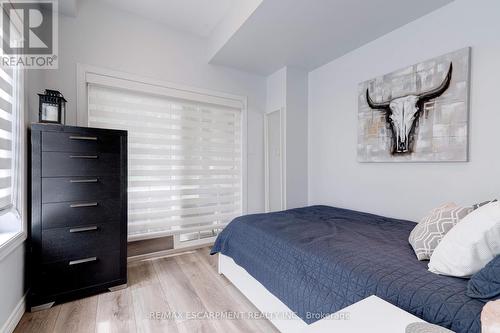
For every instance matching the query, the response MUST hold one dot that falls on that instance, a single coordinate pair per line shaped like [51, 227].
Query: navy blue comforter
[318, 260]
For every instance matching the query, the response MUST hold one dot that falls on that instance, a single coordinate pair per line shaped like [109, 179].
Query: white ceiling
[198, 17]
[310, 33]
[262, 36]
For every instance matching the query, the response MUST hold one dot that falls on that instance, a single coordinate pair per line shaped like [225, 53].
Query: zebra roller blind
[7, 136]
[184, 159]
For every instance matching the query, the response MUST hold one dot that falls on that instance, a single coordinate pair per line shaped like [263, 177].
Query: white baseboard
[14, 317]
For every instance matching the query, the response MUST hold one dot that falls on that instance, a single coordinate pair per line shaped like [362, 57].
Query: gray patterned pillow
[426, 328]
[426, 235]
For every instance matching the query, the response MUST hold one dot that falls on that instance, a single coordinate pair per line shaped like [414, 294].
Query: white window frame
[13, 231]
[13, 221]
[116, 79]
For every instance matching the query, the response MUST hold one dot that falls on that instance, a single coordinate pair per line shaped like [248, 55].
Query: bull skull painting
[402, 113]
[419, 113]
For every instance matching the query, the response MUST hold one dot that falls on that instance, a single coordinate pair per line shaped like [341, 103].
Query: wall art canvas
[417, 114]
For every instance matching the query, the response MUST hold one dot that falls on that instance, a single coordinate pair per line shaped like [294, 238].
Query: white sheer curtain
[184, 159]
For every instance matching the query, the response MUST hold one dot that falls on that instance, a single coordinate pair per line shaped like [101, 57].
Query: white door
[274, 161]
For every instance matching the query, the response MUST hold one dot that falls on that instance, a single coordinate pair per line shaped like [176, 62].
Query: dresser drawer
[71, 214]
[80, 188]
[82, 272]
[88, 240]
[56, 164]
[74, 142]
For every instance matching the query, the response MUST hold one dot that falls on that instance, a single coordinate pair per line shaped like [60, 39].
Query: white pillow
[470, 244]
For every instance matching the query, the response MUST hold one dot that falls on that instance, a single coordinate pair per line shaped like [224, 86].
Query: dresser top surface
[41, 127]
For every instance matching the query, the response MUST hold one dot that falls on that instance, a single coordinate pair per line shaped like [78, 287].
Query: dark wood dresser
[78, 221]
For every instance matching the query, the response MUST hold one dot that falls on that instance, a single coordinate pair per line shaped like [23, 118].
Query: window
[10, 138]
[184, 157]
[12, 132]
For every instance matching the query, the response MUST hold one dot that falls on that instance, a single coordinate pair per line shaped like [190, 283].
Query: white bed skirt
[275, 310]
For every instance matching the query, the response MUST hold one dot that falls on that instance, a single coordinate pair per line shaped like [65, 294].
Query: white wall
[407, 190]
[276, 90]
[105, 37]
[11, 282]
[287, 89]
[296, 137]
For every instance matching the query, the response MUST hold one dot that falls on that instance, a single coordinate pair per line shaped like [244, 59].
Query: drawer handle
[87, 138]
[84, 156]
[90, 204]
[83, 229]
[95, 180]
[82, 261]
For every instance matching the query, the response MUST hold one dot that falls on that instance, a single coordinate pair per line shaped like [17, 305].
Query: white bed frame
[275, 310]
[371, 314]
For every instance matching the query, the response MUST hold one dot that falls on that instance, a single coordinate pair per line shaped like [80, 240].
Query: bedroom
[331, 155]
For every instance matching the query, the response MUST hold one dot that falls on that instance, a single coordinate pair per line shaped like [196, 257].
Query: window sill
[10, 241]
[11, 237]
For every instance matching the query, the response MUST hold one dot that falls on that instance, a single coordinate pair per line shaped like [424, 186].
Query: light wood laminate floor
[185, 283]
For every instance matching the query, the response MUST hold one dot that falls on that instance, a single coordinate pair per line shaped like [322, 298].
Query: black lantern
[52, 107]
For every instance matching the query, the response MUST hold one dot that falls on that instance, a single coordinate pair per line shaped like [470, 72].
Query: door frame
[282, 113]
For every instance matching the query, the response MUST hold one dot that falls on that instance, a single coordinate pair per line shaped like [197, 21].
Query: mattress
[318, 260]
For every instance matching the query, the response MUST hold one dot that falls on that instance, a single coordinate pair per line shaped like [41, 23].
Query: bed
[318, 260]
